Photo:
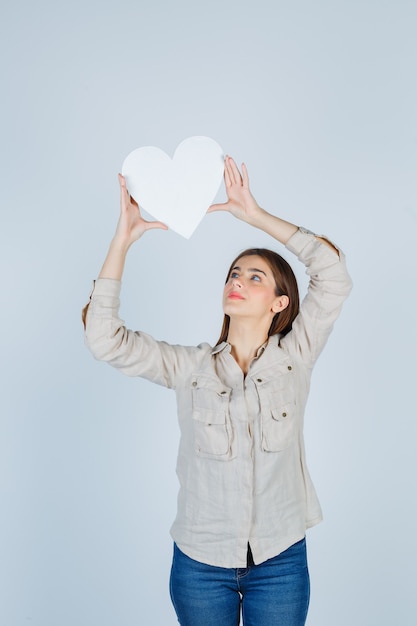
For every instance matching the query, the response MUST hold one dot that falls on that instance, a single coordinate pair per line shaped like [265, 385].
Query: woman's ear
[280, 303]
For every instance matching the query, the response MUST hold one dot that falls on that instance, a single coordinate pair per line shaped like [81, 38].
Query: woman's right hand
[131, 225]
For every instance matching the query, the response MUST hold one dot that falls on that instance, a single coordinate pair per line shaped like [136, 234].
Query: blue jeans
[273, 593]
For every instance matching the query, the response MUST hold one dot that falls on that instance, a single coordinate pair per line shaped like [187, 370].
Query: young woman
[246, 497]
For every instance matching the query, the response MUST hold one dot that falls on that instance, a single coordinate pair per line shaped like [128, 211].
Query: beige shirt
[241, 461]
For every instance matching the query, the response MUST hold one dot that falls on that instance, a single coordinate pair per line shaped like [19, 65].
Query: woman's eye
[233, 275]
[256, 278]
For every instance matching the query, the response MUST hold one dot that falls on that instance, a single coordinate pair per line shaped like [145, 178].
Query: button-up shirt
[241, 461]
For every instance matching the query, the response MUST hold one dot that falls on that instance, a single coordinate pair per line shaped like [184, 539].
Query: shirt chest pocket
[278, 410]
[278, 426]
[213, 435]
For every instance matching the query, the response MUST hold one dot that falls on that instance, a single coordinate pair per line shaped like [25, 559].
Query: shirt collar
[273, 340]
[220, 347]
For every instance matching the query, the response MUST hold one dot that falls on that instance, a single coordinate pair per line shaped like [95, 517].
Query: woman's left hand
[240, 201]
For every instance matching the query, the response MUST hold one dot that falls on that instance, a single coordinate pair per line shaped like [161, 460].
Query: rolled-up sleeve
[329, 286]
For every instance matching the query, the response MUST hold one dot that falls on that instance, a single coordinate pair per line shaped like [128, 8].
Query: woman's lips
[235, 296]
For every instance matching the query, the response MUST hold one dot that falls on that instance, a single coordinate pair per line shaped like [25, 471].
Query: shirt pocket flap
[278, 427]
[210, 396]
[283, 413]
[210, 412]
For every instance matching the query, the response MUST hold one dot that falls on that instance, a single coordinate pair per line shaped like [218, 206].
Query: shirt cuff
[299, 240]
[106, 287]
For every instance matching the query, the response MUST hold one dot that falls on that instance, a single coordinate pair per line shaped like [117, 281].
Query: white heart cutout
[176, 191]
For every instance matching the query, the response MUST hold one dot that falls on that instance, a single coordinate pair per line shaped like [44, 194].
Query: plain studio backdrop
[319, 99]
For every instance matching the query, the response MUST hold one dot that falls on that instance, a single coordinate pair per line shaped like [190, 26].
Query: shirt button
[259, 380]
[223, 393]
[290, 368]
[284, 415]
[194, 384]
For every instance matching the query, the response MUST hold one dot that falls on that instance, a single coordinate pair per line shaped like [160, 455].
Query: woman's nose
[236, 282]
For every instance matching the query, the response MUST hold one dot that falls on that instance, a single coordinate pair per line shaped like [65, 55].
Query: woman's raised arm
[242, 204]
[130, 228]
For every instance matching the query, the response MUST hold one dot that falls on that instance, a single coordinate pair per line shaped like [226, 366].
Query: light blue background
[319, 99]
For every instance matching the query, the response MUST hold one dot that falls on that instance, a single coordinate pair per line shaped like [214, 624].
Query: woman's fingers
[122, 183]
[234, 171]
[245, 176]
[217, 207]
[124, 195]
[229, 171]
[133, 201]
[233, 176]
[227, 179]
[149, 225]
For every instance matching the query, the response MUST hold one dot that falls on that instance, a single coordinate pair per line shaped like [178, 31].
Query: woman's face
[250, 290]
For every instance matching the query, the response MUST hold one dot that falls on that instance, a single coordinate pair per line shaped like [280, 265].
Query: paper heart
[176, 191]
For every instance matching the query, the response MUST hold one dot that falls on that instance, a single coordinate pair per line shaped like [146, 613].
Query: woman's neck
[245, 341]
